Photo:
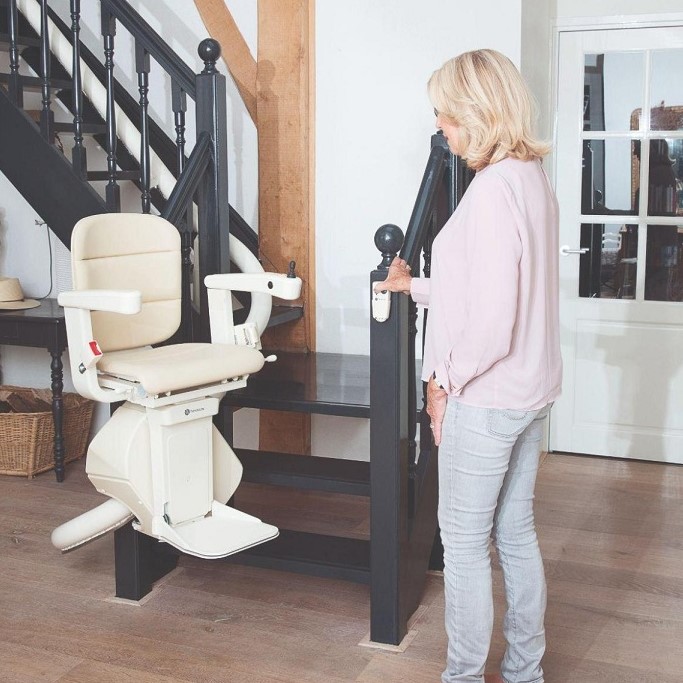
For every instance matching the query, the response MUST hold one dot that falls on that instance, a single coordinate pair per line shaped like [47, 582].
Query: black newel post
[14, 85]
[47, 118]
[112, 191]
[142, 67]
[78, 155]
[389, 455]
[214, 224]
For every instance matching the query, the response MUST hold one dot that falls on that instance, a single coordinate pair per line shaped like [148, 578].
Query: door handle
[565, 250]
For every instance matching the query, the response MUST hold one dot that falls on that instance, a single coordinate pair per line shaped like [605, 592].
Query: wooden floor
[611, 534]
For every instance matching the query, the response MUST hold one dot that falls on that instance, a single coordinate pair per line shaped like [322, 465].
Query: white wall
[538, 17]
[373, 127]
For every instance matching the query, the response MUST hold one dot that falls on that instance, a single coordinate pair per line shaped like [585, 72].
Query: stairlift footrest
[223, 532]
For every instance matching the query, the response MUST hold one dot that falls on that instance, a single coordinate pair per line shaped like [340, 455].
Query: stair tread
[22, 41]
[35, 83]
[316, 383]
[320, 383]
[306, 472]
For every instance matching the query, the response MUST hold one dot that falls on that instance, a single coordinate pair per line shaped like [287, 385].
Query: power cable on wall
[49, 247]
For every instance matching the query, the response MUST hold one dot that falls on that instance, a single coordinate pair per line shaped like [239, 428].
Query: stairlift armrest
[275, 284]
[127, 301]
[84, 352]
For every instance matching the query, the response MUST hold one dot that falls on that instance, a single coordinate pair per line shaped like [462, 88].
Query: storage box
[27, 438]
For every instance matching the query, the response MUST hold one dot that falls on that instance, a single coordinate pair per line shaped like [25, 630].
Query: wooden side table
[43, 327]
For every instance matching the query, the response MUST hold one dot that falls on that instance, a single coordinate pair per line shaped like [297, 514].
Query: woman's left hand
[398, 278]
[437, 398]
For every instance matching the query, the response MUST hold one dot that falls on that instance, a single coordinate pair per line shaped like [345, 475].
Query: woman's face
[451, 131]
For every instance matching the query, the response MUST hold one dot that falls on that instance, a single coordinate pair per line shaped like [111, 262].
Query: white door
[619, 181]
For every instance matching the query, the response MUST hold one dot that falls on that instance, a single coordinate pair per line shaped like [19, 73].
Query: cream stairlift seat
[159, 458]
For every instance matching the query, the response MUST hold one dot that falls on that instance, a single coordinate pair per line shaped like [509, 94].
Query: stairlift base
[170, 470]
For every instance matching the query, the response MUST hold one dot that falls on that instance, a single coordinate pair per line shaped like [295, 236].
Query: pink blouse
[493, 326]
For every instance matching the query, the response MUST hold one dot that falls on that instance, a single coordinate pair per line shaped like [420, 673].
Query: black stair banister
[153, 43]
[412, 540]
[14, 83]
[47, 117]
[78, 153]
[160, 142]
[424, 205]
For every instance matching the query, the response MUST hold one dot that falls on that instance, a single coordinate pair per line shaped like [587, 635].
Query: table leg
[58, 411]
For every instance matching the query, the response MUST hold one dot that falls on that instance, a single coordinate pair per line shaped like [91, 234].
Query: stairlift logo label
[193, 410]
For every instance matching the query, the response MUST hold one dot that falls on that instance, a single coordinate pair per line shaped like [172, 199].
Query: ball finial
[209, 51]
[389, 240]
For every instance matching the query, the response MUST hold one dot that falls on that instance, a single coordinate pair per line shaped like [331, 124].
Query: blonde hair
[484, 94]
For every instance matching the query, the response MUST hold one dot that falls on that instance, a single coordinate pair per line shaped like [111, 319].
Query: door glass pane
[608, 269]
[663, 264]
[613, 90]
[665, 183]
[666, 90]
[610, 183]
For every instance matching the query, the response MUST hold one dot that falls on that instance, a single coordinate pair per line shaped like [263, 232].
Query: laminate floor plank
[611, 533]
[22, 664]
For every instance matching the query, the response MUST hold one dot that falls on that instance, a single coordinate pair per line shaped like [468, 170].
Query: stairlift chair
[159, 458]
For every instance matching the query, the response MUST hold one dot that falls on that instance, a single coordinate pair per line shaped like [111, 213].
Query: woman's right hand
[398, 278]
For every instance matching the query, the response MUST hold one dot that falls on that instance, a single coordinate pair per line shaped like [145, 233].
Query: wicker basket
[27, 439]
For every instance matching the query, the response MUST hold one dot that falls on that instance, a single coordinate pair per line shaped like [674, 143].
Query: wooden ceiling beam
[234, 49]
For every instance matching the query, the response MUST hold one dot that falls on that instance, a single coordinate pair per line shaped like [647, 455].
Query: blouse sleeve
[419, 290]
[493, 254]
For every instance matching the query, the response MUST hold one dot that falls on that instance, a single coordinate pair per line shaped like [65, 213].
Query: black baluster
[179, 105]
[142, 67]
[78, 155]
[47, 118]
[112, 192]
[15, 90]
[412, 395]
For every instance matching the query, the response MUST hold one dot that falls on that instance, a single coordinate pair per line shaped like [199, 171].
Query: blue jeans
[488, 460]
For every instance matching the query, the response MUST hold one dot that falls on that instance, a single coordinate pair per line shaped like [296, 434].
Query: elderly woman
[492, 361]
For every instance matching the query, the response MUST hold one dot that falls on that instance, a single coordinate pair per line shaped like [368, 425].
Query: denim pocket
[509, 422]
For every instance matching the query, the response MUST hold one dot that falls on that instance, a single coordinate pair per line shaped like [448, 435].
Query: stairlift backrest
[130, 251]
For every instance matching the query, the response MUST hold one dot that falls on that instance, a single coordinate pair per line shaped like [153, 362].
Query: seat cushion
[181, 366]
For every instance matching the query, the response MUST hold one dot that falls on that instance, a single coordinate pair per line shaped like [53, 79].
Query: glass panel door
[632, 165]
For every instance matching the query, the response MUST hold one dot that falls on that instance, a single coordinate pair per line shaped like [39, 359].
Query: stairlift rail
[106, 517]
[161, 177]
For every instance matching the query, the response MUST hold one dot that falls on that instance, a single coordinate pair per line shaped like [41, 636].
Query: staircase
[401, 476]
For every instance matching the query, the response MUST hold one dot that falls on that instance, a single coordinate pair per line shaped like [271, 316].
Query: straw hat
[11, 296]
